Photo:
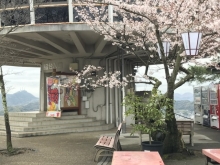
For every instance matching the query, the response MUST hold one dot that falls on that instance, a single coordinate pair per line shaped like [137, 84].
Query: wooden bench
[187, 128]
[106, 160]
[212, 156]
[106, 145]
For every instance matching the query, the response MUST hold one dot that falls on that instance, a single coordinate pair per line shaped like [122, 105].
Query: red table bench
[212, 156]
[136, 158]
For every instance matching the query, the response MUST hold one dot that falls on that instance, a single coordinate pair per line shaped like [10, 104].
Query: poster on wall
[53, 97]
[69, 95]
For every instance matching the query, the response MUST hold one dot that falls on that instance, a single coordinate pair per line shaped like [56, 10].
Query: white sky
[22, 78]
[28, 78]
[158, 72]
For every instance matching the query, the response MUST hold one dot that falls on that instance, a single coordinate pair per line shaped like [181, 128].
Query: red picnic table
[212, 154]
[136, 158]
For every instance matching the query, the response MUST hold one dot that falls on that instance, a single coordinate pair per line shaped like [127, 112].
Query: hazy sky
[22, 78]
[28, 78]
[158, 72]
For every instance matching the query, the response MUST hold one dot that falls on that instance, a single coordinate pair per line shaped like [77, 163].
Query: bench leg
[98, 153]
[119, 146]
[207, 160]
[191, 140]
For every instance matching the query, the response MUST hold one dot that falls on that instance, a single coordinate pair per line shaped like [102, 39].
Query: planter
[154, 146]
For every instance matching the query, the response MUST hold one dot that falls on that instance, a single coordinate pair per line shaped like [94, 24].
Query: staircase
[24, 124]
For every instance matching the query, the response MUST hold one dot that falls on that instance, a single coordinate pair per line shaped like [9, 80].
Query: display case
[69, 96]
[214, 105]
[197, 105]
[205, 108]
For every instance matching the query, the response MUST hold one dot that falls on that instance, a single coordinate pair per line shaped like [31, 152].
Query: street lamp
[166, 48]
[191, 41]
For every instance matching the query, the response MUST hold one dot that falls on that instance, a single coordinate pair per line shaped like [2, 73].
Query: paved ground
[77, 148]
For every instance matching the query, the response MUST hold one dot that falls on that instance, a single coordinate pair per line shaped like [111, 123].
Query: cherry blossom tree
[139, 27]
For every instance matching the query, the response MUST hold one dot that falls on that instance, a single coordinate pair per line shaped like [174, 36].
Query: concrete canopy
[53, 41]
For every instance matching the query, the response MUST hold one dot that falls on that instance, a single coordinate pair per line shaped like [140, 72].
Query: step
[50, 127]
[52, 122]
[30, 119]
[37, 114]
[68, 130]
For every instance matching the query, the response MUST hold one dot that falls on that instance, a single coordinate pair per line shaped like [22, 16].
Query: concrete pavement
[77, 148]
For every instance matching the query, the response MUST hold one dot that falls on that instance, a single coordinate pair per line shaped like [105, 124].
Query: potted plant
[149, 116]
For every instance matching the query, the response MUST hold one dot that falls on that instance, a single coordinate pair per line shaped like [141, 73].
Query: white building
[50, 37]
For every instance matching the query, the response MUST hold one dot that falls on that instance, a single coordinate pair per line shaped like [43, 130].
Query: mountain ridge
[23, 101]
[185, 96]
[19, 98]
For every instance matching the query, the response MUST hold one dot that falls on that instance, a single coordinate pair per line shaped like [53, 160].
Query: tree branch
[156, 85]
[188, 77]
[162, 54]
[177, 65]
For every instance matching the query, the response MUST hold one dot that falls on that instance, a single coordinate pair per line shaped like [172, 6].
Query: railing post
[110, 13]
[32, 12]
[70, 9]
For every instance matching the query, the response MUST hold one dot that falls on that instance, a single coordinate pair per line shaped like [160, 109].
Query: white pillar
[110, 13]
[116, 97]
[123, 107]
[70, 9]
[107, 96]
[0, 19]
[32, 12]
[42, 90]
[110, 95]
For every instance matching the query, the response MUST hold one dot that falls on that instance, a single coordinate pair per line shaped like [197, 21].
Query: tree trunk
[6, 116]
[172, 142]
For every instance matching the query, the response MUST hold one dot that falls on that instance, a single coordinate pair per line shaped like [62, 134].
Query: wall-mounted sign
[53, 65]
[53, 97]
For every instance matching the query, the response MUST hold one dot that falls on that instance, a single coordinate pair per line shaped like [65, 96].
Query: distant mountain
[184, 96]
[20, 98]
[184, 105]
[33, 106]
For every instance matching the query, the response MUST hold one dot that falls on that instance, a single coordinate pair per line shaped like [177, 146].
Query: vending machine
[205, 105]
[214, 105]
[197, 105]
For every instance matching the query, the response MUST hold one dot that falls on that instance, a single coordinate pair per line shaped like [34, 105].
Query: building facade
[48, 34]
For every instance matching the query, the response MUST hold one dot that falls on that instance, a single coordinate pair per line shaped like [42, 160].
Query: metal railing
[38, 12]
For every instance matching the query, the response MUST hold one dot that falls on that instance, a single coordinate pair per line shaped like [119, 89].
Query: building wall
[95, 101]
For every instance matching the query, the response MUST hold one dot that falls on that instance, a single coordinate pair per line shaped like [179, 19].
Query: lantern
[166, 48]
[191, 41]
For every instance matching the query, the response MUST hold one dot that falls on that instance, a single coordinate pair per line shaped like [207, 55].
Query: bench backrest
[119, 128]
[117, 136]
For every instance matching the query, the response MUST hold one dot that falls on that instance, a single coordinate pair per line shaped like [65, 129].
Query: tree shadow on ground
[16, 151]
[186, 154]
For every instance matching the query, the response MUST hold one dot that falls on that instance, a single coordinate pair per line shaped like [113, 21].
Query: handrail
[182, 116]
[32, 7]
[50, 4]
[46, 4]
[15, 8]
